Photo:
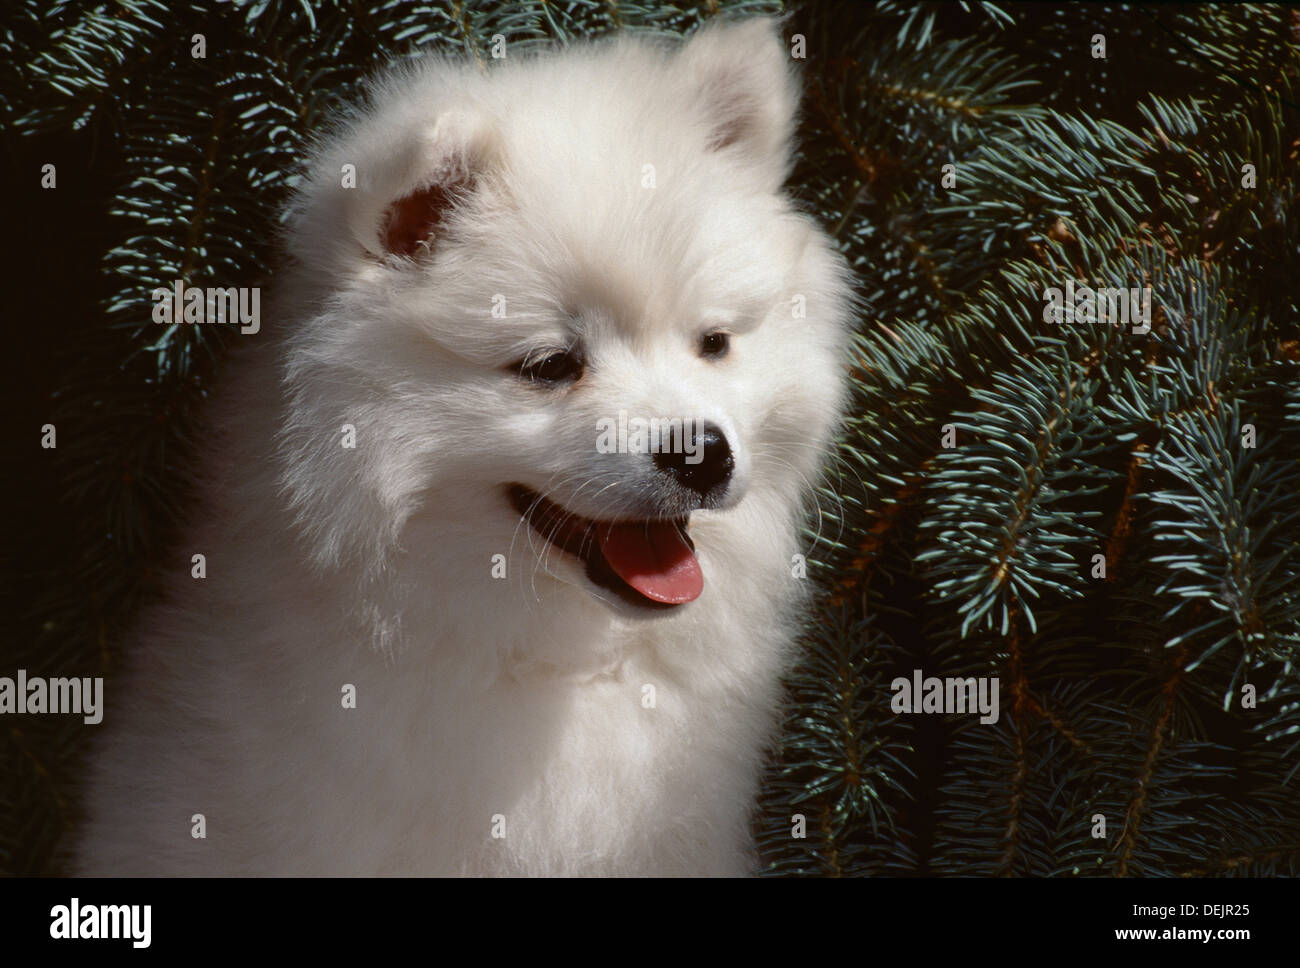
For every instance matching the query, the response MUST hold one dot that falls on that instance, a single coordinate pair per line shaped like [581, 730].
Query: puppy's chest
[633, 765]
[610, 725]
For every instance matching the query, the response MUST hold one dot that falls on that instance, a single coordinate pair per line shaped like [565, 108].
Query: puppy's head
[570, 315]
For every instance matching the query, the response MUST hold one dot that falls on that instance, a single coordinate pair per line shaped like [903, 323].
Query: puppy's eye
[715, 344]
[563, 366]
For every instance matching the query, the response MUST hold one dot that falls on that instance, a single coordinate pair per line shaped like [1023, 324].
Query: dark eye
[560, 367]
[714, 344]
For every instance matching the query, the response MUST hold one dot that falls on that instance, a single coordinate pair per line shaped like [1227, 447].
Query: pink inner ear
[414, 219]
[727, 134]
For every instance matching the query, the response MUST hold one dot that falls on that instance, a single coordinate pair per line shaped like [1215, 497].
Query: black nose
[705, 462]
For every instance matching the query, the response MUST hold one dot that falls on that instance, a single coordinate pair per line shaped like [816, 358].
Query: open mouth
[648, 563]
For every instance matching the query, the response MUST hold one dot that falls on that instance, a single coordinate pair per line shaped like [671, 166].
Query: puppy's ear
[406, 197]
[412, 222]
[746, 82]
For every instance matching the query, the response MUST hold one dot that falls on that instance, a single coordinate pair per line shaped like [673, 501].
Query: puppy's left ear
[748, 87]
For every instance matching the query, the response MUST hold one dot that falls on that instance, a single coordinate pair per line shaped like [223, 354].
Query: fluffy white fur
[371, 566]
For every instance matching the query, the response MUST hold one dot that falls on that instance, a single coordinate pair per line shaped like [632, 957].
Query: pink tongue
[653, 558]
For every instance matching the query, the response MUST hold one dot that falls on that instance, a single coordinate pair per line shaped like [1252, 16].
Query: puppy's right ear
[408, 188]
[746, 84]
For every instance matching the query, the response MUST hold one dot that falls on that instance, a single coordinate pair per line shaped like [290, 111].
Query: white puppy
[443, 628]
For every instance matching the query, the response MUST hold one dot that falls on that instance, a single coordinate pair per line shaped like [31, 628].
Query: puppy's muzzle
[703, 466]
